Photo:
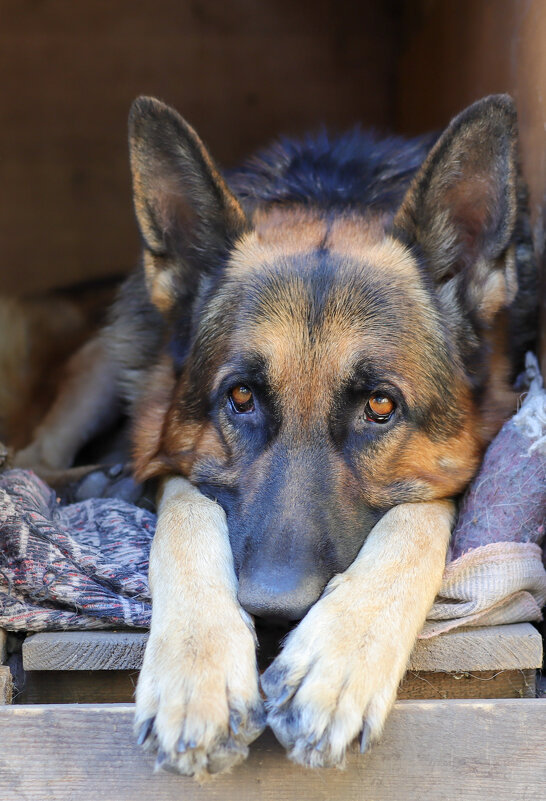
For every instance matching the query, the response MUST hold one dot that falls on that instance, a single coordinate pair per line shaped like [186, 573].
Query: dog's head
[323, 365]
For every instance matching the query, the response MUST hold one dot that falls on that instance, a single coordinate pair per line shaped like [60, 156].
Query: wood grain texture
[456, 750]
[3, 639]
[241, 72]
[455, 53]
[478, 684]
[511, 647]
[84, 650]
[118, 686]
[6, 686]
[77, 687]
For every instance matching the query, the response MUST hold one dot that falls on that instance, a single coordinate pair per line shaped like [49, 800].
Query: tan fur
[160, 283]
[150, 420]
[347, 656]
[500, 400]
[85, 404]
[37, 335]
[200, 661]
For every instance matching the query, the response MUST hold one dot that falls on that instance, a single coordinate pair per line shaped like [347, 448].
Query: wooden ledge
[460, 750]
[100, 666]
[513, 647]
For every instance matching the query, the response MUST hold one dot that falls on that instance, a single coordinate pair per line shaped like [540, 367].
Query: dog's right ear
[187, 216]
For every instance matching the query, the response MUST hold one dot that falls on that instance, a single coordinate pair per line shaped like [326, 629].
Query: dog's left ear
[187, 215]
[460, 211]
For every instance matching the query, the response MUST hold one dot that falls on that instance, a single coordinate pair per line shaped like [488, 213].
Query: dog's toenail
[365, 738]
[235, 720]
[144, 731]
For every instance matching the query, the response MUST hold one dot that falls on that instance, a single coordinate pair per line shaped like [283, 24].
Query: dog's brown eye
[379, 407]
[242, 399]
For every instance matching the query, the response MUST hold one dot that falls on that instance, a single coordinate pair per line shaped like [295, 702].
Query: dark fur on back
[355, 169]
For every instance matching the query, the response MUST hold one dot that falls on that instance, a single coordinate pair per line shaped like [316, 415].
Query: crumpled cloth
[82, 566]
[85, 566]
[495, 572]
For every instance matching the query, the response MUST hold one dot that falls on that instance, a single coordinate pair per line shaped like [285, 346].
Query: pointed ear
[460, 211]
[187, 216]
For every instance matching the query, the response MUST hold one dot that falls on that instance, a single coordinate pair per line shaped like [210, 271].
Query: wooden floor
[488, 746]
[431, 751]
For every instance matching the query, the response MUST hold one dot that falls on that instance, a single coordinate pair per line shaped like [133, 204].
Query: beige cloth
[503, 582]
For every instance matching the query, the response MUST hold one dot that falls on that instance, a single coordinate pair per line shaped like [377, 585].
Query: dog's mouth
[271, 634]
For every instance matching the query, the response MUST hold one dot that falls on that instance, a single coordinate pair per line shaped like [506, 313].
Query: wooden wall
[456, 51]
[241, 71]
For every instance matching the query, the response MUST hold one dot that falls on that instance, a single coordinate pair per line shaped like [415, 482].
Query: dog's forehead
[316, 293]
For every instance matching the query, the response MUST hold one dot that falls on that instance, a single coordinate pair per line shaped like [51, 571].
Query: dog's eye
[379, 407]
[242, 399]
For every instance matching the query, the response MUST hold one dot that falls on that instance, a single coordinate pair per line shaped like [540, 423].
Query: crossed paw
[199, 705]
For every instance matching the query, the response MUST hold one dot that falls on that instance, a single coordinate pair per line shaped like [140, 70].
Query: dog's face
[323, 365]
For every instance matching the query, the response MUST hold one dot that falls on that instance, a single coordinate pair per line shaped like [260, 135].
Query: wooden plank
[84, 650]
[514, 647]
[6, 686]
[480, 684]
[77, 687]
[3, 641]
[118, 686]
[456, 750]
[257, 70]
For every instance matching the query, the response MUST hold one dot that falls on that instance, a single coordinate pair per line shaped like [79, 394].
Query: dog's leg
[87, 403]
[197, 698]
[340, 669]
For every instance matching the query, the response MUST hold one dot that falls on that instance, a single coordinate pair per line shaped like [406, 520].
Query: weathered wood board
[101, 666]
[77, 687]
[6, 686]
[478, 684]
[514, 647]
[433, 750]
[84, 650]
[118, 686]
[3, 638]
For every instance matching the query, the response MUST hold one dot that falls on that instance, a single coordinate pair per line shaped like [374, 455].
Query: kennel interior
[241, 72]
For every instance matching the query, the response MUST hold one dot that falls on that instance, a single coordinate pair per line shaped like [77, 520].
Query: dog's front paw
[336, 676]
[197, 699]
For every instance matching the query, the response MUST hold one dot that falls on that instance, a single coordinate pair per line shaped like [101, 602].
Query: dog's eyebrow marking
[369, 371]
[252, 366]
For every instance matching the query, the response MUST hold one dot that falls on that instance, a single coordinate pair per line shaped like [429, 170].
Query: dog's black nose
[278, 596]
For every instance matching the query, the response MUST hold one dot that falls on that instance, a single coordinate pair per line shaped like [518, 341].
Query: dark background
[241, 71]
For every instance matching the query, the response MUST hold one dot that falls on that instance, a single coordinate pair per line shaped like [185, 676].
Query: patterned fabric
[85, 566]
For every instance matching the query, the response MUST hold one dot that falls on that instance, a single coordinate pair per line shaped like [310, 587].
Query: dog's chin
[271, 634]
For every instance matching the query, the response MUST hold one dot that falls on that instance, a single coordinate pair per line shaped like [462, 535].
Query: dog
[314, 354]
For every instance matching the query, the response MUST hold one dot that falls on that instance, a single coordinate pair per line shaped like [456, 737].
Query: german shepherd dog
[314, 354]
